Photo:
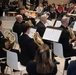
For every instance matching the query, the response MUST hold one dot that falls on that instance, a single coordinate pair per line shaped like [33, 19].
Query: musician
[17, 25]
[42, 65]
[2, 54]
[41, 25]
[23, 12]
[65, 37]
[5, 44]
[27, 45]
[71, 70]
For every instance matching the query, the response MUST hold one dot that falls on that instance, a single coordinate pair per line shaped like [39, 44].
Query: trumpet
[37, 39]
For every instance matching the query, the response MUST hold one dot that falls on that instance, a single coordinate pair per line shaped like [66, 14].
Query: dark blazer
[1, 11]
[28, 49]
[17, 28]
[64, 39]
[71, 70]
[31, 69]
[40, 28]
[2, 52]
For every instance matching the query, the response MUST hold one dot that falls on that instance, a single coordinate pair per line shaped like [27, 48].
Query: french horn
[73, 38]
[10, 36]
[37, 39]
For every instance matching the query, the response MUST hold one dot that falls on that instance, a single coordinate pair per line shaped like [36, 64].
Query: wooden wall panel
[58, 1]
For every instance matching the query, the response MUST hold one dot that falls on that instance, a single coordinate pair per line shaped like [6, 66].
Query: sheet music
[52, 34]
[56, 35]
[32, 31]
[47, 34]
[57, 24]
[48, 23]
[74, 27]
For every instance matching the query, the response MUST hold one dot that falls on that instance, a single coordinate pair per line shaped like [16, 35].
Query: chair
[2, 60]
[12, 62]
[58, 50]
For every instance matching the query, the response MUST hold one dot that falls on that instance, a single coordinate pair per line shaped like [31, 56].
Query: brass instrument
[73, 38]
[29, 22]
[37, 39]
[10, 40]
[9, 35]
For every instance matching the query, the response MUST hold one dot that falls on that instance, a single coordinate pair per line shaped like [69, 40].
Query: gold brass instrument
[9, 35]
[73, 38]
[71, 33]
[10, 40]
[37, 39]
[29, 22]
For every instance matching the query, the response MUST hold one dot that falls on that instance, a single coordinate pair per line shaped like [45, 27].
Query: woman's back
[42, 65]
[31, 69]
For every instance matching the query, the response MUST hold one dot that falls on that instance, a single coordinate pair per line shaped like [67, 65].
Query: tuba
[10, 40]
[10, 36]
[37, 39]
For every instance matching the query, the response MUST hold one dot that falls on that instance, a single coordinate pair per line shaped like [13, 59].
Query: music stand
[52, 34]
[57, 23]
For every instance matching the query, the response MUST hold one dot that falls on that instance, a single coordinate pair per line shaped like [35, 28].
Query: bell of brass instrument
[29, 22]
[37, 39]
[10, 40]
[9, 35]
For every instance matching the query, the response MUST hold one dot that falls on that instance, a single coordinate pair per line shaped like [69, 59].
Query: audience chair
[58, 51]
[12, 62]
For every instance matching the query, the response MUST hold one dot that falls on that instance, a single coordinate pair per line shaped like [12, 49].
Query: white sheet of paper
[48, 23]
[32, 31]
[74, 27]
[47, 34]
[56, 35]
[52, 34]
[57, 24]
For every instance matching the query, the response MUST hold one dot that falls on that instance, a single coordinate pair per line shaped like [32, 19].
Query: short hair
[0, 22]
[43, 17]
[25, 27]
[18, 17]
[64, 19]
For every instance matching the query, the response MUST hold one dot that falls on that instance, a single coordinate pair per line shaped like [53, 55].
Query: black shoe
[15, 70]
[25, 74]
[66, 63]
[56, 62]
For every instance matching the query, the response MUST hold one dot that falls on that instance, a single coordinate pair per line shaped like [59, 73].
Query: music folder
[52, 34]
[57, 23]
[32, 31]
